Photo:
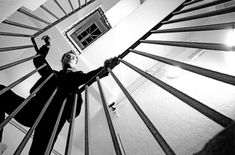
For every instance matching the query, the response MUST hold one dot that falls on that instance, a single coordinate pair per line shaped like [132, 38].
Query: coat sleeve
[39, 61]
[91, 76]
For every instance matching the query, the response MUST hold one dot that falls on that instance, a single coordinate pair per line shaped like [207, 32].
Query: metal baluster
[17, 110]
[71, 126]
[146, 35]
[61, 19]
[21, 10]
[30, 132]
[18, 62]
[58, 4]
[20, 25]
[87, 119]
[207, 111]
[191, 2]
[49, 146]
[71, 5]
[195, 69]
[201, 6]
[200, 45]
[79, 4]
[14, 34]
[109, 121]
[3, 49]
[48, 11]
[211, 27]
[21, 79]
[202, 15]
[161, 141]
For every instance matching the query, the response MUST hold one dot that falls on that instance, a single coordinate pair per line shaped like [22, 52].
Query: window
[86, 31]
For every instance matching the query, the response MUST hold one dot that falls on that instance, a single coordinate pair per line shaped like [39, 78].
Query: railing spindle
[79, 4]
[216, 2]
[87, 119]
[71, 5]
[61, 19]
[58, 4]
[71, 127]
[207, 111]
[202, 15]
[200, 45]
[21, 25]
[146, 35]
[30, 132]
[17, 110]
[211, 27]
[50, 143]
[191, 2]
[18, 62]
[15, 34]
[21, 79]
[109, 120]
[48, 11]
[195, 69]
[3, 49]
[21, 10]
[161, 141]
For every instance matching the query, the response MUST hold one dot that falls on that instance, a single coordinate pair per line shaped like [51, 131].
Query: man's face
[69, 60]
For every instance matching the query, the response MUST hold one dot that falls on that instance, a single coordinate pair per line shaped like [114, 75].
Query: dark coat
[68, 83]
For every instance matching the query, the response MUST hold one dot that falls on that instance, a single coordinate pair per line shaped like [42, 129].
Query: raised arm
[39, 61]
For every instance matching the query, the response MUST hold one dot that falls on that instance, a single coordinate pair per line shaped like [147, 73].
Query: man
[67, 82]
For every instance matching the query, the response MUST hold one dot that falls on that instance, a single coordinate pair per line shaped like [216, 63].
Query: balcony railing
[209, 112]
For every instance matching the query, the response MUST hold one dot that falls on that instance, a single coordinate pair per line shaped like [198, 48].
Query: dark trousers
[9, 101]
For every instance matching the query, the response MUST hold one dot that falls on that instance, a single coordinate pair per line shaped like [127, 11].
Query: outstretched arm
[90, 77]
[39, 61]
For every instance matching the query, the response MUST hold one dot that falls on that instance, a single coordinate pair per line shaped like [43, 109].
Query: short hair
[70, 51]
